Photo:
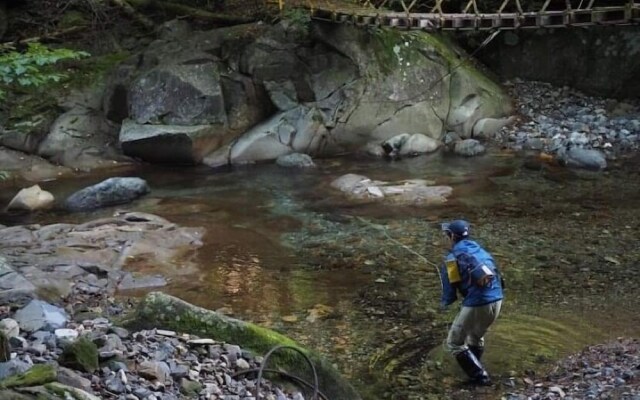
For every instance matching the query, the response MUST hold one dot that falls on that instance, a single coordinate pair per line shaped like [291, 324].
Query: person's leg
[458, 332]
[485, 316]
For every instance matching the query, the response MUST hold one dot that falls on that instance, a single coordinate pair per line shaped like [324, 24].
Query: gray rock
[115, 385]
[39, 315]
[13, 367]
[71, 378]
[155, 370]
[468, 148]
[179, 94]
[578, 157]
[295, 160]
[176, 144]
[110, 192]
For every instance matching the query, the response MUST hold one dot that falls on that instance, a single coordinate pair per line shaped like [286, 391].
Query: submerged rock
[578, 157]
[413, 191]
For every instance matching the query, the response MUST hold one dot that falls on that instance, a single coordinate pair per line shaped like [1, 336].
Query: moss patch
[38, 375]
[81, 355]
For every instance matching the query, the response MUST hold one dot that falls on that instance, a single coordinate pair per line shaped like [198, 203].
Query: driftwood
[199, 13]
[131, 12]
[51, 35]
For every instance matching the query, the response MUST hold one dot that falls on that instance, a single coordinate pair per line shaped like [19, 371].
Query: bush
[28, 68]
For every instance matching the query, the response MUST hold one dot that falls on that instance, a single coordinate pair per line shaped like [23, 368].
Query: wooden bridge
[438, 14]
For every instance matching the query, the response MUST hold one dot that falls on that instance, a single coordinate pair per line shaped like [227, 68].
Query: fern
[28, 68]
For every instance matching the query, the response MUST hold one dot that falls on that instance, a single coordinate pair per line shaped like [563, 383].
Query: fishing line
[382, 229]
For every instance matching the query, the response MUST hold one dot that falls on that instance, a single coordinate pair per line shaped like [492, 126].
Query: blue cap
[458, 228]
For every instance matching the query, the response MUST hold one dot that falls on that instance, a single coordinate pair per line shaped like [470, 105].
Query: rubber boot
[472, 367]
[477, 351]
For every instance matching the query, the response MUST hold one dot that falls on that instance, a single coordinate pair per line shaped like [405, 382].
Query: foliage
[299, 18]
[29, 68]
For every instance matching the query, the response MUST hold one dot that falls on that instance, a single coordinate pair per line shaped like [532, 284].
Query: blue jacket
[471, 270]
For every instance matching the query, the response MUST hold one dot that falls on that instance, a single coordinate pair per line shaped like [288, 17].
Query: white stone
[9, 327]
[66, 334]
[31, 199]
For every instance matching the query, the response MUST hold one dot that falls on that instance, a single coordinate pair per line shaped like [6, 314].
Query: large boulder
[179, 94]
[30, 168]
[170, 143]
[327, 93]
[83, 139]
[110, 192]
[158, 310]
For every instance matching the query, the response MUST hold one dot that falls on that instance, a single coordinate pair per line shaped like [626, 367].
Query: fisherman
[471, 271]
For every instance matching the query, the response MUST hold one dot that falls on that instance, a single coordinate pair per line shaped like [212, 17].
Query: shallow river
[286, 251]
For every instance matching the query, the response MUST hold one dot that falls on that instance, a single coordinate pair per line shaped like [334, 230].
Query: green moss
[81, 355]
[159, 310]
[39, 374]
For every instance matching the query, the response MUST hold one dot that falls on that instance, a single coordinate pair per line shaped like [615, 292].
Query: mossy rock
[81, 355]
[65, 392]
[162, 311]
[39, 374]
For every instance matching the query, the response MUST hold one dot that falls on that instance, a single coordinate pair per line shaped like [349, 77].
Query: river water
[286, 251]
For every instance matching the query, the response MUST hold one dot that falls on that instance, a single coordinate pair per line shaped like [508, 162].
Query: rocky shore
[56, 353]
[578, 130]
[605, 371]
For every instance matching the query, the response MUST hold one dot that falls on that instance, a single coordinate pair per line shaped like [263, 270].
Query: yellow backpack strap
[452, 269]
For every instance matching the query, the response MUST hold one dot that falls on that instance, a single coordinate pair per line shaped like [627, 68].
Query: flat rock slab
[93, 255]
[412, 191]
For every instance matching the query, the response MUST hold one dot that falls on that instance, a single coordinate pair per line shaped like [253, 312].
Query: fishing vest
[475, 272]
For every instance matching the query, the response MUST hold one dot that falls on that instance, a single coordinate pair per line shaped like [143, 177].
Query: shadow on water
[285, 250]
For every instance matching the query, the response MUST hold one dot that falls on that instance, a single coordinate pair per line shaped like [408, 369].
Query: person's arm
[450, 280]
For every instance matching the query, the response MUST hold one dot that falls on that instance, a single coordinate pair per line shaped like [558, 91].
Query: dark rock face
[598, 60]
[107, 193]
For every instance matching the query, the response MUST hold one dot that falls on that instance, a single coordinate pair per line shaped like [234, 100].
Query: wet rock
[110, 192]
[583, 158]
[38, 315]
[468, 148]
[295, 160]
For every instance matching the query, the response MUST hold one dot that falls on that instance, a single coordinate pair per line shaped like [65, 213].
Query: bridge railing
[439, 14]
